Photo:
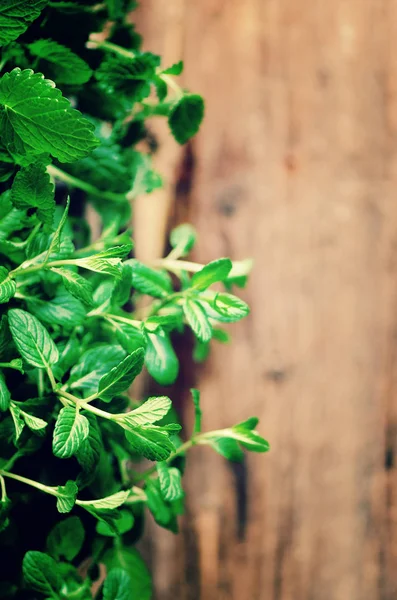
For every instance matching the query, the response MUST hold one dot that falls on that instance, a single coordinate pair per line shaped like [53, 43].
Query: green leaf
[99, 264]
[41, 573]
[66, 539]
[185, 117]
[249, 439]
[64, 310]
[131, 561]
[148, 281]
[128, 76]
[160, 358]
[56, 240]
[120, 378]
[151, 442]
[5, 335]
[19, 424]
[32, 188]
[217, 270]
[8, 286]
[228, 448]
[35, 118]
[183, 238]
[228, 308]
[78, 286]
[66, 496]
[93, 364]
[197, 319]
[115, 9]
[16, 16]
[117, 585]
[32, 339]
[159, 508]
[60, 63]
[175, 69]
[122, 290]
[197, 410]
[90, 449]
[130, 337]
[123, 524]
[149, 412]
[5, 396]
[70, 431]
[34, 423]
[107, 503]
[170, 482]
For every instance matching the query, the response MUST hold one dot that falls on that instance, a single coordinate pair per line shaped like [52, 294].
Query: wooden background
[296, 166]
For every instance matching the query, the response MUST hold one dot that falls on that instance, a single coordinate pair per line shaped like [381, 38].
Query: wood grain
[296, 166]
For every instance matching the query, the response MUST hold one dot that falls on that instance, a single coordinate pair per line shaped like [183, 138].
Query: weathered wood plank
[295, 166]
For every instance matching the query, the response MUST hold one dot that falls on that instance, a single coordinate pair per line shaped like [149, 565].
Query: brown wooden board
[295, 166]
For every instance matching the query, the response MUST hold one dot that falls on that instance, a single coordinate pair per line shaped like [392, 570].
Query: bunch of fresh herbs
[76, 91]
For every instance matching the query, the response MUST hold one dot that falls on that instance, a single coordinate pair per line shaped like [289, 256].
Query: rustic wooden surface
[296, 166]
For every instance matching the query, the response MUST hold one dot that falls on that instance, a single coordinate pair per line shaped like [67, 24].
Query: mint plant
[76, 93]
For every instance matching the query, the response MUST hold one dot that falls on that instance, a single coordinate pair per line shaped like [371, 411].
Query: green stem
[84, 185]
[3, 489]
[177, 265]
[44, 265]
[40, 383]
[111, 317]
[44, 488]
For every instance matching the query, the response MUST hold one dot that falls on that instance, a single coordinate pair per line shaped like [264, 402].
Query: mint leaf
[93, 364]
[64, 309]
[120, 378]
[217, 270]
[32, 339]
[34, 423]
[160, 358]
[249, 439]
[130, 560]
[150, 442]
[107, 503]
[148, 281]
[117, 585]
[32, 188]
[183, 238]
[19, 424]
[66, 496]
[5, 396]
[16, 16]
[185, 117]
[149, 412]
[128, 76]
[65, 540]
[228, 448]
[79, 287]
[8, 286]
[60, 63]
[90, 449]
[70, 431]
[170, 482]
[99, 264]
[228, 308]
[175, 69]
[35, 118]
[123, 524]
[197, 319]
[41, 573]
